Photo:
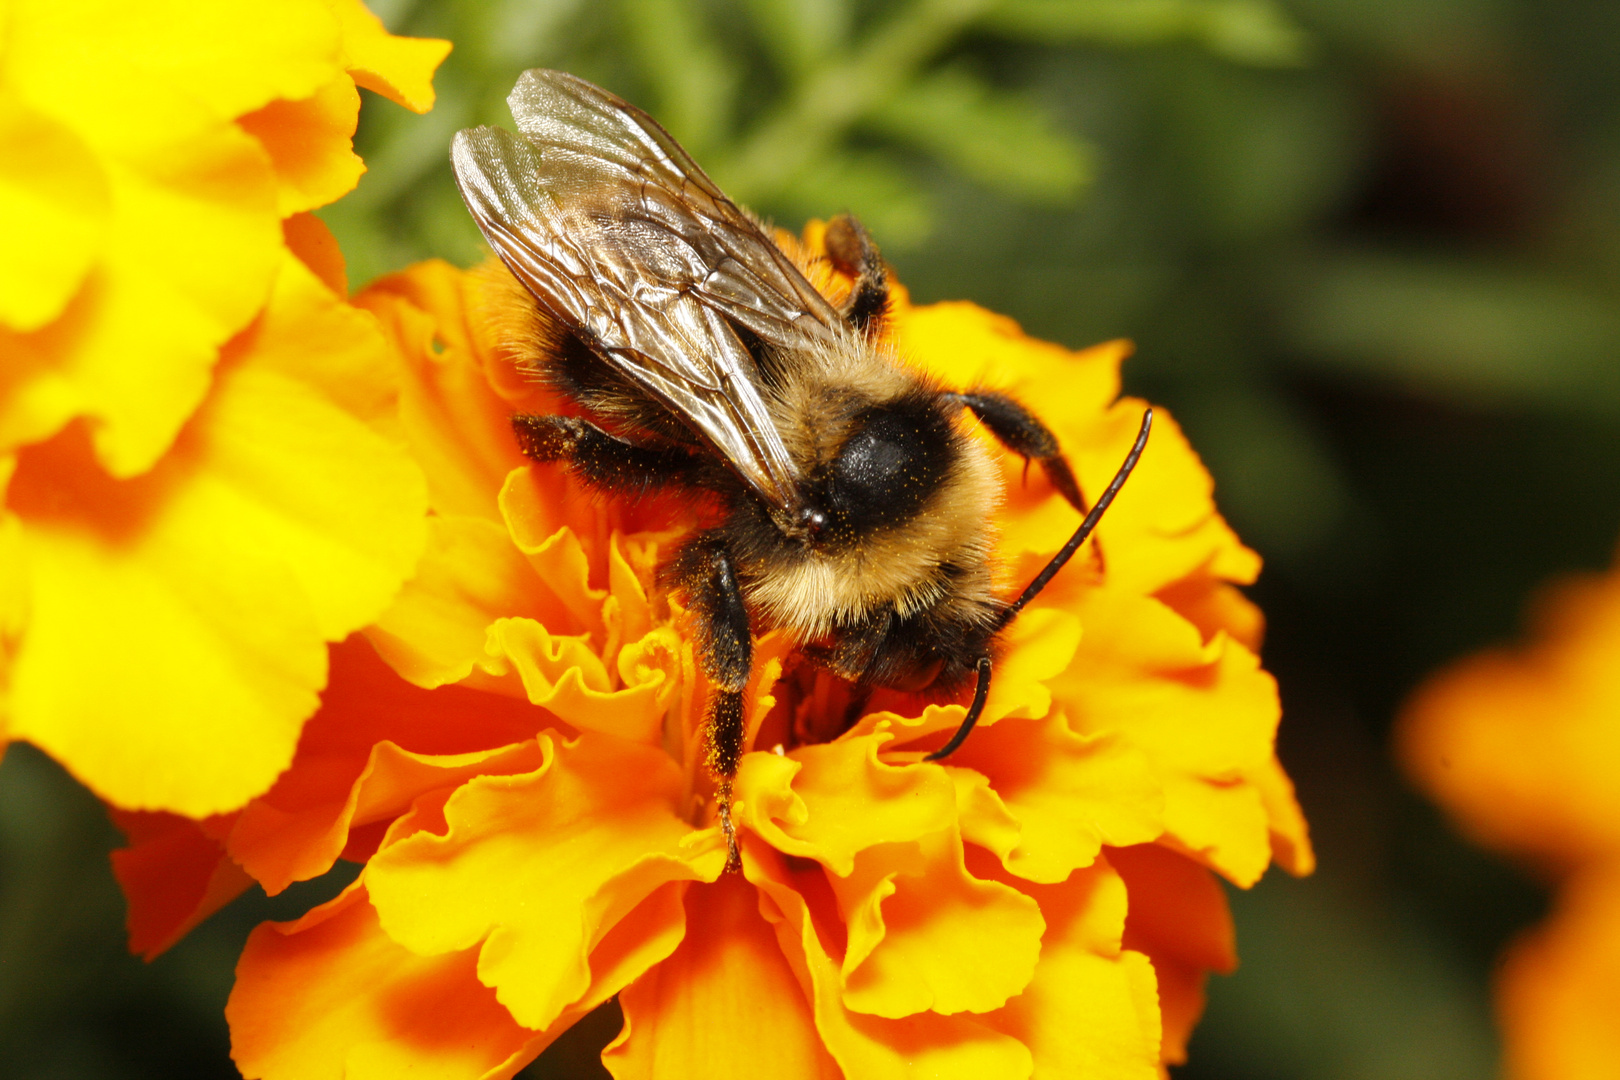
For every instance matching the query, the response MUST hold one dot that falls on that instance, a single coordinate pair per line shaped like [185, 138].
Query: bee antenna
[981, 692]
[1087, 527]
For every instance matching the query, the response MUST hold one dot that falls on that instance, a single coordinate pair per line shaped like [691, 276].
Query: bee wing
[621, 236]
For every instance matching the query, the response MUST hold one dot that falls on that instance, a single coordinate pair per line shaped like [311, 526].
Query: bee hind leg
[604, 461]
[704, 570]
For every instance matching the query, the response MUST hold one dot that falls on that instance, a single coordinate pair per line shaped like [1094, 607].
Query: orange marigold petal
[961, 1047]
[1092, 1008]
[331, 997]
[1214, 607]
[1558, 991]
[924, 934]
[54, 207]
[1290, 835]
[567, 678]
[436, 630]
[459, 429]
[830, 802]
[277, 502]
[399, 68]
[534, 503]
[376, 743]
[1179, 918]
[1204, 714]
[1067, 794]
[174, 874]
[725, 1005]
[538, 867]
[310, 145]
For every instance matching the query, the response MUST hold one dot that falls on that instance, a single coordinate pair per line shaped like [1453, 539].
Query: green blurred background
[1370, 252]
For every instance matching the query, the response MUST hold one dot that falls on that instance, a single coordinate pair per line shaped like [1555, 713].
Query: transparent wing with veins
[622, 237]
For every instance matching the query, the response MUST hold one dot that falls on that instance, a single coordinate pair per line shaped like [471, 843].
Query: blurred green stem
[803, 131]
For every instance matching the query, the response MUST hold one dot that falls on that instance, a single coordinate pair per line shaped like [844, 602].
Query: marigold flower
[513, 752]
[201, 487]
[1522, 747]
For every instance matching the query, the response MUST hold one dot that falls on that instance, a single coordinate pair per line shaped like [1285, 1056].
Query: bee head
[893, 458]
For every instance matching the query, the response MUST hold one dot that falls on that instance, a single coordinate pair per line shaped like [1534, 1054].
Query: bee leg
[852, 252]
[603, 461]
[1022, 432]
[704, 570]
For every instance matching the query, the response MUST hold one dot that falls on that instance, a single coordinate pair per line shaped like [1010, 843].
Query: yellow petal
[539, 867]
[376, 744]
[968, 346]
[188, 258]
[54, 205]
[459, 429]
[1203, 714]
[1162, 527]
[566, 677]
[230, 58]
[310, 145]
[205, 591]
[1092, 1008]
[1179, 919]
[309, 239]
[399, 68]
[1040, 644]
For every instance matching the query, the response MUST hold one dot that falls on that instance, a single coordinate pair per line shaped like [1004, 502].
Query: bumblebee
[854, 505]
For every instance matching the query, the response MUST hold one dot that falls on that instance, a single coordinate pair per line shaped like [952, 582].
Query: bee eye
[892, 461]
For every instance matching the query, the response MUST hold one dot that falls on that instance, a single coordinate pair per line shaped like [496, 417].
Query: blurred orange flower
[201, 486]
[513, 752]
[1523, 748]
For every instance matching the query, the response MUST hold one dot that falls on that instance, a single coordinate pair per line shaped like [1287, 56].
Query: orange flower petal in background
[1559, 986]
[204, 482]
[1042, 904]
[1522, 747]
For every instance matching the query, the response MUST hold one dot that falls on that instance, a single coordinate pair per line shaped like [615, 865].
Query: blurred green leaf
[1275, 478]
[522, 29]
[801, 33]
[1467, 330]
[693, 80]
[1248, 31]
[1004, 141]
[872, 186]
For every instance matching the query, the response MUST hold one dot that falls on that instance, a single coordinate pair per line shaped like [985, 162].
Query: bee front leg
[852, 251]
[703, 569]
[1022, 432]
